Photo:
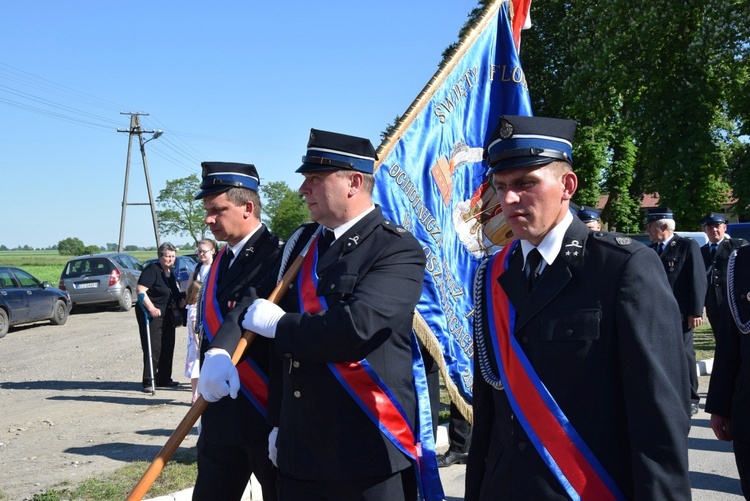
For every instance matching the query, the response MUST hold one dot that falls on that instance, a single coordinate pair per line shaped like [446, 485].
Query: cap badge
[506, 129]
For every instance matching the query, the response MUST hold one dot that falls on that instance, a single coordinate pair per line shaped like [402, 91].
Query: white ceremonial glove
[219, 376]
[272, 445]
[261, 317]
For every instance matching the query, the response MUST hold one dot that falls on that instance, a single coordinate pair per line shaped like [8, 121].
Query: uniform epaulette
[394, 228]
[617, 240]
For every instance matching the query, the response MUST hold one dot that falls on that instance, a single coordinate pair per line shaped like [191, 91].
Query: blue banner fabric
[434, 183]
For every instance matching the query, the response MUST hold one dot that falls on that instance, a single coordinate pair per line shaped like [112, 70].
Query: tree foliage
[71, 246]
[284, 210]
[660, 93]
[181, 214]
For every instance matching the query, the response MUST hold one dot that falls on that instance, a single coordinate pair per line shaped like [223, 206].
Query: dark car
[25, 299]
[101, 279]
[183, 268]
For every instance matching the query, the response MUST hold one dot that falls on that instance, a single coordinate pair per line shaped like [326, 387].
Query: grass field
[47, 265]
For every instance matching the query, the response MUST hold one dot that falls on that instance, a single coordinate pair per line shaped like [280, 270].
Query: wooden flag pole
[179, 434]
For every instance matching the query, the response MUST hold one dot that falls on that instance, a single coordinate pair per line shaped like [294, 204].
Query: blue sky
[239, 81]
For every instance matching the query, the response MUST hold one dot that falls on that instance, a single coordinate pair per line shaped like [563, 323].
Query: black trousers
[399, 486]
[162, 334]
[742, 458]
[687, 338]
[224, 471]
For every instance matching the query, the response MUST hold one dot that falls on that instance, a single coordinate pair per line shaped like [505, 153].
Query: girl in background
[192, 361]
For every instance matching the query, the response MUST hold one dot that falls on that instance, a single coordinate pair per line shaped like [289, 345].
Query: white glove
[272, 445]
[219, 376]
[261, 317]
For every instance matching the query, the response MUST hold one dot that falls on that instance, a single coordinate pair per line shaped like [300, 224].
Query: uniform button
[522, 446]
[524, 339]
[332, 286]
[287, 355]
[569, 332]
[297, 394]
[291, 286]
[295, 364]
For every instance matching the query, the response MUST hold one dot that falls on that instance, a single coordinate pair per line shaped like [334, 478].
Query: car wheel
[3, 323]
[60, 313]
[126, 301]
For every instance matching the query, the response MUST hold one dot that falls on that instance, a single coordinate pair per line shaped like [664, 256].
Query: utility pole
[135, 129]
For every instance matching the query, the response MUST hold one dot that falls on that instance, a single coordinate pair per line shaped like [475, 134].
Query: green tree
[284, 209]
[70, 246]
[181, 214]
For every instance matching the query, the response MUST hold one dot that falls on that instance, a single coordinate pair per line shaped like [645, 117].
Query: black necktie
[225, 260]
[326, 239]
[713, 250]
[533, 262]
[660, 249]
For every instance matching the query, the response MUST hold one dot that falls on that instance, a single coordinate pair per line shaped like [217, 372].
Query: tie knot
[326, 239]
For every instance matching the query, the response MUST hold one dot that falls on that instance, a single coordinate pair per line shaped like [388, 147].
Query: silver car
[102, 279]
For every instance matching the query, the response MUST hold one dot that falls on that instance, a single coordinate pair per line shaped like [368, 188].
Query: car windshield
[89, 266]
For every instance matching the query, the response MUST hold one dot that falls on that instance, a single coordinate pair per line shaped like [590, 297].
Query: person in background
[192, 359]
[206, 250]
[715, 257]
[233, 442]
[590, 217]
[580, 380]
[163, 300]
[728, 399]
[681, 258]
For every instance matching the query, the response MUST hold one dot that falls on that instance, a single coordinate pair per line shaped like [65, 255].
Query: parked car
[101, 279]
[739, 230]
[25, 299]
[183, 268]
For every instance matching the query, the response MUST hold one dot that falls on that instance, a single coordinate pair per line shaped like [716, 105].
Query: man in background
[715, 257]
[681, 258]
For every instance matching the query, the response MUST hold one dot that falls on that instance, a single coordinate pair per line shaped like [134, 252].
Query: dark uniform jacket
[716, 273]
[729, 389]
[686, 274]
[601, 330]
[237, 421]
[371, 278]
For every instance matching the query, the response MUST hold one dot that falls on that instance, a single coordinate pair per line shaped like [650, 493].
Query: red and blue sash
[254, 383]
[562, 449]
[375, 398]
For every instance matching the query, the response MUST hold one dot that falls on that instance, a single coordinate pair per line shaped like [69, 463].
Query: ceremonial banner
[432, 180]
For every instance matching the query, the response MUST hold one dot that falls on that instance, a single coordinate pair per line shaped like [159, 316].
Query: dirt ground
[71, 405]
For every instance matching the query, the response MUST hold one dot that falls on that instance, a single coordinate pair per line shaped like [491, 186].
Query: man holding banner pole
[233, 442]
[349, 423]
[581, 386]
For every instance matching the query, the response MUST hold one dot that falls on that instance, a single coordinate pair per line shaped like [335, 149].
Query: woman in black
[157, 290]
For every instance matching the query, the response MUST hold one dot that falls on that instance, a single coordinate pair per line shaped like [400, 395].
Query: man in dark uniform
[715, 256]
[728, 399]
[581, 386]
[348, 326]
[682, 261]
[233, 443]
[590, 217]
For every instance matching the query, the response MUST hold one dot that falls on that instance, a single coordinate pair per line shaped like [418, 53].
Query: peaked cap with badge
[588, 214]
[659, 213]
[520, 141]
[327, 151]
[712, 218]
[223, 176]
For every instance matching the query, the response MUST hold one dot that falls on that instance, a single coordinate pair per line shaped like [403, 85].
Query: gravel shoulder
[71, 405]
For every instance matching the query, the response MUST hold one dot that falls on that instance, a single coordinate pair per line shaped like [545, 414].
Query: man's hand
[219, 376]
[272, 445]
[694, 321]
[261, 317]
[722, 427]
